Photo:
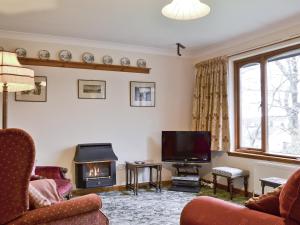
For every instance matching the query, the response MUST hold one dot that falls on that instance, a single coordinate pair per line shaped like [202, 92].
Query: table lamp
[13, 78]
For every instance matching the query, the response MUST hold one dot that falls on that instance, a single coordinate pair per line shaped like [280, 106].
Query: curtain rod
[264, 46]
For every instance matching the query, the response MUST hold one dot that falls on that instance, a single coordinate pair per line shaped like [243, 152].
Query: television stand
[187, 177]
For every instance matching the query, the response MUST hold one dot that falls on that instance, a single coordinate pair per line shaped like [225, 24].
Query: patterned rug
[151, 208]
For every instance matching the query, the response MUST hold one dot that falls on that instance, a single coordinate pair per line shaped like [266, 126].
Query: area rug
[151, 208]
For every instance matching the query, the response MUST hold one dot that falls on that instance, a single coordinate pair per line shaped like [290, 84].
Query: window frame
[262, 59]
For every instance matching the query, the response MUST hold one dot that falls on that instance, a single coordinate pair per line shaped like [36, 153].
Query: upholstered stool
[231, 174]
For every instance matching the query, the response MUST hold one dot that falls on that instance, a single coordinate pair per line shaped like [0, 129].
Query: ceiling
[139, 22]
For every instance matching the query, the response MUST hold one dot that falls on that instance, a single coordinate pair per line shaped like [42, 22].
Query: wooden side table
[133, 168]
[273, 182]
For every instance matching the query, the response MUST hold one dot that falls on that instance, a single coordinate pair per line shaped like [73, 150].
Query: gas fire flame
[94, 171]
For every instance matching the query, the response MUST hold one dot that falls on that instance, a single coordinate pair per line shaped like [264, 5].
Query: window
[250, 106]
[267, 92]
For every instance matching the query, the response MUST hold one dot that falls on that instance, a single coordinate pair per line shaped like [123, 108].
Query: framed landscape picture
[38, 94]
[142, 94]
[91, 89]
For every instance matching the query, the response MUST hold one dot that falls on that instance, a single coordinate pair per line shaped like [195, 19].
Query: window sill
[266, 157]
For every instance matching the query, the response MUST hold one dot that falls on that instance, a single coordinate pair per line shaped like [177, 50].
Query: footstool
[230, 173]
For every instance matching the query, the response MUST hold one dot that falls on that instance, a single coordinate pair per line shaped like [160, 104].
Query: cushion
[64, 186]
[36, 199]
[268, 203]
[229, 172]
[289, 199]
[48, 188]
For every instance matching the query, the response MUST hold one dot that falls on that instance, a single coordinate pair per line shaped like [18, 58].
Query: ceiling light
[185, 10]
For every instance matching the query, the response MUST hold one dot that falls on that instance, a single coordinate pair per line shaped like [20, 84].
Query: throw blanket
[47, 187]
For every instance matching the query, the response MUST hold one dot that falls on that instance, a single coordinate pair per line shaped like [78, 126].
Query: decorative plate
[44, 54]
[125, 61]
[141, 63]
[88, 57]
[107, 60]
[21, 52]
[65, 55]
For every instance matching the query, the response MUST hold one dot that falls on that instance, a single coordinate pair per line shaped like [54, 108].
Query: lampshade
[13, 74]
[185, 9]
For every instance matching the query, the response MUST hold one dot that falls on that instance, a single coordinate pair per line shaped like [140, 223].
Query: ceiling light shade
[13, 74]
[185, 9]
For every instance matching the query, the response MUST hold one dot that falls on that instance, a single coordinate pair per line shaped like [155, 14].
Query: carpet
[224, 195]
[151, 208]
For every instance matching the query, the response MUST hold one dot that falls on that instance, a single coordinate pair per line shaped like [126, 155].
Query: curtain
[210, 106]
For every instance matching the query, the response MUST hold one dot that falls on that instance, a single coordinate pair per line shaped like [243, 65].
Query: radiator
[269, 169]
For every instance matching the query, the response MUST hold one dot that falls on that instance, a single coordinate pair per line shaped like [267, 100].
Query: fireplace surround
[95, 165]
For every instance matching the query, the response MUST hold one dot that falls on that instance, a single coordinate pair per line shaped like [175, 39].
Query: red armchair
[58, 174]
[212, 211]
[282, 207]
[16, 162]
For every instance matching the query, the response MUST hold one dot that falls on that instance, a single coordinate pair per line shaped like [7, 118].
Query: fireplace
[95, 165]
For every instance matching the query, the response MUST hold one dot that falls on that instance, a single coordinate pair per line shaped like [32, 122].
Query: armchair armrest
[51, 172]
[60, 211]
[208, 211]
[36, 177]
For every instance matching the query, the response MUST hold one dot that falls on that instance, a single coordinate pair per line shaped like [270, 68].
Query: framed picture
[142, 94]
[38, 94]
[91, 89]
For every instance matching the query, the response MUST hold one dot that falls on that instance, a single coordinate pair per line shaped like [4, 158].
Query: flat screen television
[186, 146]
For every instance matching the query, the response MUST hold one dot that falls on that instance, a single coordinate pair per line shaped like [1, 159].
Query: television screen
[186, 146]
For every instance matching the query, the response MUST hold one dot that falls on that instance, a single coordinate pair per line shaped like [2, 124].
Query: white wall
[64, 121]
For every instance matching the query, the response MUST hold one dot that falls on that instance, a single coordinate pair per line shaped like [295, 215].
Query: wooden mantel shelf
[81, 65]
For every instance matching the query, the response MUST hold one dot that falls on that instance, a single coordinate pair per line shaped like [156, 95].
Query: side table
[273, 182]
[133, 168]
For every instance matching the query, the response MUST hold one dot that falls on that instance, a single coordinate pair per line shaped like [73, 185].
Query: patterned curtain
[210, 106]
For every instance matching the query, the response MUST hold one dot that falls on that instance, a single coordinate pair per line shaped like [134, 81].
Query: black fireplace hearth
[95, 165]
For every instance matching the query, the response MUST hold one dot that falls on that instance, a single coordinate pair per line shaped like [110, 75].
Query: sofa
[17, 153]
[280, 209]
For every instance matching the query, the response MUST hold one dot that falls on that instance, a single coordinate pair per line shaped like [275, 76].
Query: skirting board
[79, 192]
[165, 184]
